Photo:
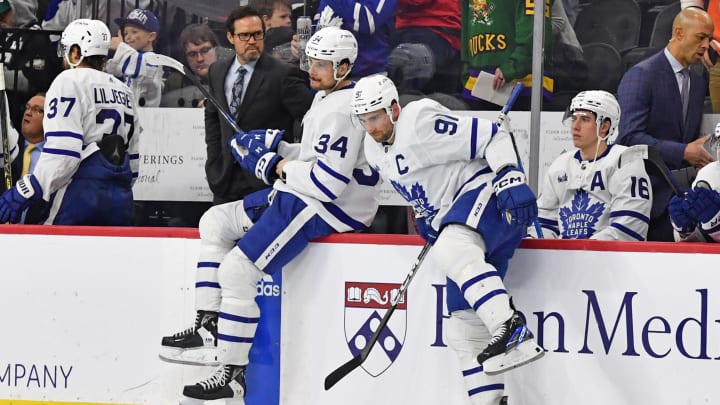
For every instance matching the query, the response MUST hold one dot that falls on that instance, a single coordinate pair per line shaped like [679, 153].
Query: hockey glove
[704, 204]
[515, 198]
[269, 137]
[426, 230]
[254, 157]
[14, 201]
[680, 217]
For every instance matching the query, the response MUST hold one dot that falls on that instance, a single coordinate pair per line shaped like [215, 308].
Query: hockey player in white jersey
[695, 217]
[12, 137]
[321, 186]
[90, 155]
[592, 192]
[460, 175]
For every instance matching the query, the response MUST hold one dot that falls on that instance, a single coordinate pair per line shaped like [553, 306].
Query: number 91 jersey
[82, 107]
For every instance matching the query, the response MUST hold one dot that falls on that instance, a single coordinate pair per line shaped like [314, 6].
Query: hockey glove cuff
[680, 217]
[704, 204]
[14, 201]
[515, 199]
[257, 160]
[425, 229]
[268, 137]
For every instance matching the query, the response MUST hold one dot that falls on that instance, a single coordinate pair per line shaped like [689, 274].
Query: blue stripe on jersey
[473, 138]
[486, 297]
[471, 371]
[332, 172]
[237, 318]
[712, 230]
[208, 264]
[474, 176]
[476, 279]
[134, 156]
[628, 213]
[320, 186]
[235, 339]
[548, 222]
[343, 217]
[628, 231]
[209, 284]
[63, 152]
[484, 388]
[64, 134]
[125, 65]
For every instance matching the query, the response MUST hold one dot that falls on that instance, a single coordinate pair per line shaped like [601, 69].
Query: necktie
[237, 91]
[685, 94]
[26, 158]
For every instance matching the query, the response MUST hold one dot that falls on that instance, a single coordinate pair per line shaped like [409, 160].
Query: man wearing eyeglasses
[258, 91]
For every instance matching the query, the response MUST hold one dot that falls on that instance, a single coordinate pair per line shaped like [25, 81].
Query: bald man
[662, 103]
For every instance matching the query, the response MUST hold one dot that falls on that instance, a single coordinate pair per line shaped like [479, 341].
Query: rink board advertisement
[622, 323]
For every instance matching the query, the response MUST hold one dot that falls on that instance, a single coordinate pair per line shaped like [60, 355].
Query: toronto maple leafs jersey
[371, 21]
[602, 200]
[81, 107]
[330, 172]
[144, 79]
[435, 158]
[710, 230]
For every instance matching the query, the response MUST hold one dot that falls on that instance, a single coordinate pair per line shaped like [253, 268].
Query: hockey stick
[500, 120]
[7, 168]
[166, 61]
[356, 361]
[652, 157]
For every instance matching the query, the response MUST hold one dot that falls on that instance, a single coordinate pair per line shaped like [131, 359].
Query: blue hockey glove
[426, 230]
[254, 157]
[704, 204]
[14, 201]
[514, 197]
[680, 216]
[269, 137]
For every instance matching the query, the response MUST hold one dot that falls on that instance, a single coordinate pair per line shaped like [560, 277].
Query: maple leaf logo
[580, 219]
[417, 197]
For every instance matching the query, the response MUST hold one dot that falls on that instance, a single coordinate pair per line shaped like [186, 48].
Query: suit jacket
[274, 98]
[651, 114]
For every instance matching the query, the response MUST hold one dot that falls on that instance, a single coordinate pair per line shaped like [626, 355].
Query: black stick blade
[342, 371]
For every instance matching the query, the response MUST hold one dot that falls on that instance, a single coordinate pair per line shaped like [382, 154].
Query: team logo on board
[365, 305]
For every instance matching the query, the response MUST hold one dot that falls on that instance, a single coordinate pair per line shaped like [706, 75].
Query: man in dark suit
[651, 96]
[259, 91]
[31, 146]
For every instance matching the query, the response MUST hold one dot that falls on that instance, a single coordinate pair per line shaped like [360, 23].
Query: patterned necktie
[26, 158]
[237, 91]
[685, 94]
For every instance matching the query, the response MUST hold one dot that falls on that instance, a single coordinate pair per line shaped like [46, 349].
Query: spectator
[6, 14]
[139, 32]
[90, 156]
[268, 94]
[437, 25]
[372, 24]
[497, 38]
[588, 193]
[696, 216]
[275, 13]
[651, 95]
[61, 12]
[32, 146]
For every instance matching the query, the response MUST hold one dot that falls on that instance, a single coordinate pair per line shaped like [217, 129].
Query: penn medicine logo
[365, 305]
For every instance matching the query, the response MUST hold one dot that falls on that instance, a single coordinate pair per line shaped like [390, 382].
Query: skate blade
[522, 354]
[225, 401]
[193, 357]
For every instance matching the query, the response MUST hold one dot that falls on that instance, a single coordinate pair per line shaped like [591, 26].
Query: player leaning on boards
[696, 216]
[90, 157]
[320, 186]
[471, 201]
[597, 191]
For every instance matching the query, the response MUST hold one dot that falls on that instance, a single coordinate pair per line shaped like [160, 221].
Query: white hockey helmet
[333, 44]
[91, 36]
[602, 103]
[373, 93]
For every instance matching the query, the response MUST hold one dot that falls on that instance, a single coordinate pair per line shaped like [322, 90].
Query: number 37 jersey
[83, 106]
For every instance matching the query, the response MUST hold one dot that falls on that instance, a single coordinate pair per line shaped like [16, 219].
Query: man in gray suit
[259, 91]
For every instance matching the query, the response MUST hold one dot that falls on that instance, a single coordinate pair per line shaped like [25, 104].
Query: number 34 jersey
[436, 156]
[82, 106]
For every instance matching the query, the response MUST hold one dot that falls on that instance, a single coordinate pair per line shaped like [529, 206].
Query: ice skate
[226, 385]
[511, 346]
[196, 345]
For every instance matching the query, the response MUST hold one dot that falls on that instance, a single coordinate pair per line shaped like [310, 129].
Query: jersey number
[446, 126]
[70, 101]
[340, 145]
[110, 114]
[639, 187]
